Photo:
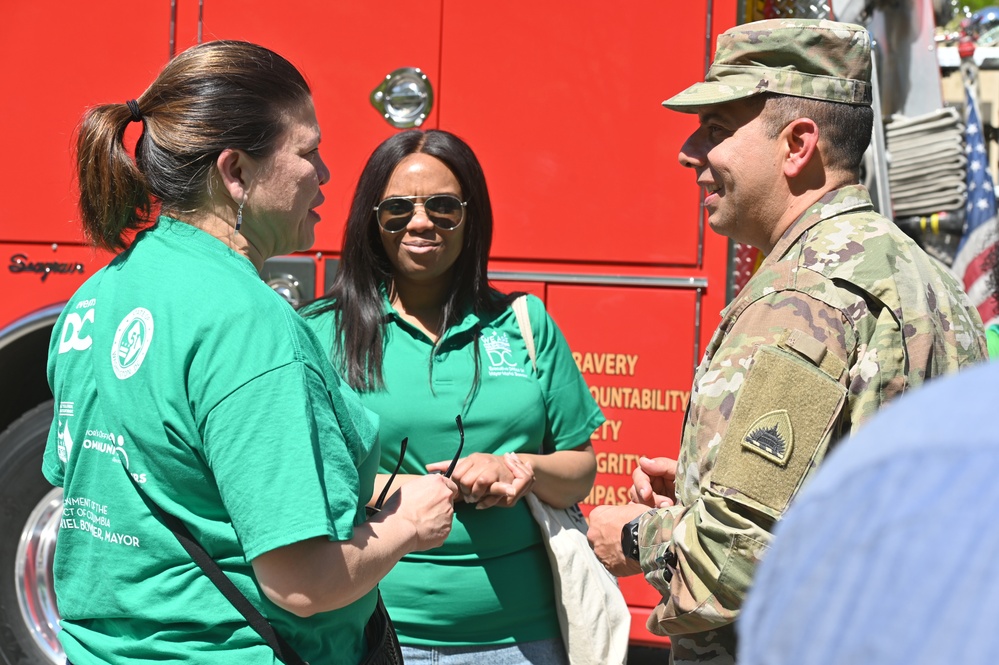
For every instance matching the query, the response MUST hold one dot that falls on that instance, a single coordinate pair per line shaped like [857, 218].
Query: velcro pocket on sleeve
[782, 418]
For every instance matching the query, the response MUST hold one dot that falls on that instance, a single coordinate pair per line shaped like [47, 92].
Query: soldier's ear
[800, 142]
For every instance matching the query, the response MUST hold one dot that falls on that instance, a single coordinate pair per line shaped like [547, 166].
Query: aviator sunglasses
[446, 211]
[402, 455]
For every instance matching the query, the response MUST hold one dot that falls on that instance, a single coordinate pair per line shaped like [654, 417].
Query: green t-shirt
[490, 583]
[177, 361]
[992, 338]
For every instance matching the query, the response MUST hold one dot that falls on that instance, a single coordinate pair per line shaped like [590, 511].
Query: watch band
[629, 539]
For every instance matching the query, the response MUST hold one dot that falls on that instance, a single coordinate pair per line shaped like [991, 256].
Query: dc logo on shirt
[501, 360]
[72, 338]
[131, 342]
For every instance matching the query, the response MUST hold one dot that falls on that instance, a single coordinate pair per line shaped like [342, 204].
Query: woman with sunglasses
[192, 405]
[415, 328]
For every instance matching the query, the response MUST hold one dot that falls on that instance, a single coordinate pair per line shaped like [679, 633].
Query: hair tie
[133, 107]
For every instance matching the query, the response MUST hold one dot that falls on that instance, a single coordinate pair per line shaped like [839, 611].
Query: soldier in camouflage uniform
[845, 313]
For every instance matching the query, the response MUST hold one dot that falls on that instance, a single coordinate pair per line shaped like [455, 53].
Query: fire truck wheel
[30, 509]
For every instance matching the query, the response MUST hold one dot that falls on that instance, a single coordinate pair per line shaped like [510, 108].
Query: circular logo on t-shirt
[131, 342]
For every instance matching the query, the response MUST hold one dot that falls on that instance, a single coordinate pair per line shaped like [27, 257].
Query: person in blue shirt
[890, 555]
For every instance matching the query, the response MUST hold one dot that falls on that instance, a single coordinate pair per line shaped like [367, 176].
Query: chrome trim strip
[603, 280]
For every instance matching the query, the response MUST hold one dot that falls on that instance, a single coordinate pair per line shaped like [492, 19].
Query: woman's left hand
[508, 494]
[490, 480]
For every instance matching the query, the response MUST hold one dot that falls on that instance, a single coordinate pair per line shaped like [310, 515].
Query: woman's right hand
[308, 576]
[427, 503]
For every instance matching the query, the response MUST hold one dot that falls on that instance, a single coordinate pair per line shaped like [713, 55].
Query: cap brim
[709, 94]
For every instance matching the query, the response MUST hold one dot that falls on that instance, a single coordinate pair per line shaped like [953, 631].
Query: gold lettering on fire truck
[613, 495]
[608, 490]
[643, 399]
[606, 363]
[619, 463]
[625, 397]
[609, 431]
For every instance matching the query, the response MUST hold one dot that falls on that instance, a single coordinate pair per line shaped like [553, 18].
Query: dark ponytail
[214, 96]
[114, 197]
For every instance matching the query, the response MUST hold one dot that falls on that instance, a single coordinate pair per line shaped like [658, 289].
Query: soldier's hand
[654, 479]
[604, 534]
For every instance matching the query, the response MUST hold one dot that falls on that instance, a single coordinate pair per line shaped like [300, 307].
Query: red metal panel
[561, 101]
[635, 349]
[534, 288]
[345, 49]
[57, 62]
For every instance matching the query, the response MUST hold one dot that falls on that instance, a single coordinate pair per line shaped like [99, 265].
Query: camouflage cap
[818, 59]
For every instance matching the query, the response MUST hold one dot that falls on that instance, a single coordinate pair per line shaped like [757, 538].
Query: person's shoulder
[865, 252]
[537, 313]
[946, 404]
[858, 244]
[320, 317]
[249, 293]
[945, 416]
[784, 286]
[535, 305]
[89, 288]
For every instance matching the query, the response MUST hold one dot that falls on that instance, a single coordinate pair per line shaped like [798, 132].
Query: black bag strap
[281, 648]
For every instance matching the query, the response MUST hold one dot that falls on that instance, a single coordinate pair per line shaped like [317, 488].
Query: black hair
[364, 267]
[845, 129]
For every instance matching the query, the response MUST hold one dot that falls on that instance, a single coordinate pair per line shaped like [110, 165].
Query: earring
[239, 214]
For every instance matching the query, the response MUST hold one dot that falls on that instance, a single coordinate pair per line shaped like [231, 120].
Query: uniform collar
[852, 198]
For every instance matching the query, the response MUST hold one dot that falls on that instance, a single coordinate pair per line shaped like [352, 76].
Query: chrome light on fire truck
[288, 288]
[33, 572]
[404, 98]
[293, 277]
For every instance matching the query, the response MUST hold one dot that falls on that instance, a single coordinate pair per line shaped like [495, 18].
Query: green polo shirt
[178, 365]
[490, 583]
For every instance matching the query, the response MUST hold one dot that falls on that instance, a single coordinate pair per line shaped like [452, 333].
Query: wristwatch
[629, 539]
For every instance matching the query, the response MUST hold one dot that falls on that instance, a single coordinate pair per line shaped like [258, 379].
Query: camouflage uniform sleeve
[768, 398]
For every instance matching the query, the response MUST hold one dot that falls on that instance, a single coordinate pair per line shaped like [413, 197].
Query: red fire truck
[561, 102]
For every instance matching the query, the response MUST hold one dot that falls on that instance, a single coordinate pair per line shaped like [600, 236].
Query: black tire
[22, 488]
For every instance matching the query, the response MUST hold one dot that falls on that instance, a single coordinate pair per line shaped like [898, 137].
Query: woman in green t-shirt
[415, 328]
[185, 387]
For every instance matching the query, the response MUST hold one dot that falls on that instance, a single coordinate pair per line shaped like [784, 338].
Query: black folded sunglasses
[402, 456]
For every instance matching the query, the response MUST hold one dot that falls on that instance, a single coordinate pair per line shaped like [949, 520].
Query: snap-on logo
[131, 342]
[21, 263]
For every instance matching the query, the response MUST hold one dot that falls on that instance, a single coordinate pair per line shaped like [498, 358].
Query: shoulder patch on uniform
[771, 436]
[786, 401]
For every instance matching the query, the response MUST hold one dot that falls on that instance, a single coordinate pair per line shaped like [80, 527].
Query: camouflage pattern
[818, 59]
[845, 314]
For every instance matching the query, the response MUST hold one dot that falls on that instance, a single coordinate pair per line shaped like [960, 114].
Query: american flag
[971, 262]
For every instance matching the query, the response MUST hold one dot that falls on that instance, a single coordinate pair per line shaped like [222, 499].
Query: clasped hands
[490, 480]
[653, 486]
